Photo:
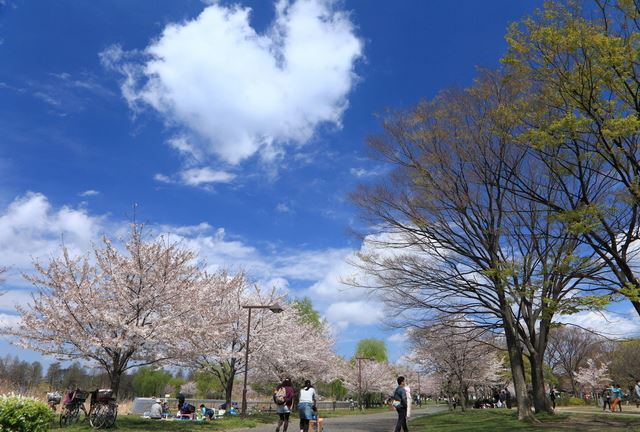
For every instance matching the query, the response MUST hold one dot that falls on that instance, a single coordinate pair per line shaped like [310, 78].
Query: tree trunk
[540, 401]
[228, 390]
[115, 382]
[517, 369]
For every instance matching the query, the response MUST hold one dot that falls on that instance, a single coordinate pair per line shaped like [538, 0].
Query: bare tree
[569, 349]
[452, 237]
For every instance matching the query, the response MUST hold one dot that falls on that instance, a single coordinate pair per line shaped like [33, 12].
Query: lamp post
[275, 308]
[359, 360]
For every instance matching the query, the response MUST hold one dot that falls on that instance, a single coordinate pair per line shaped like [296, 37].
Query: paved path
[380, 422]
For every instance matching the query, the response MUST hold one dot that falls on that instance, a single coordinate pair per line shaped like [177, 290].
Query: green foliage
[334, 389]
[150, 381]
[624, 368]
[207, 384]
[570, 401]
[372, 348]
[18, 414]
[308, 313]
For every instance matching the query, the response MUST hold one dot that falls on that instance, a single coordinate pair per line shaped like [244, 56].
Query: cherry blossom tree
[373, 377]
[295, 348]
[115, 309]
[593, 376]
[272, 354]
[456, 354]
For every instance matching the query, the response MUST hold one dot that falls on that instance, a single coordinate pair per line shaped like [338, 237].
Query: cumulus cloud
[355, 312]
[31, 228]
[607, 323]
[242, 93]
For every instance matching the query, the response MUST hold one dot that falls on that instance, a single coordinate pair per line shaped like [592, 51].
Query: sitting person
[187, 410]
[207, 412]
[156, 410]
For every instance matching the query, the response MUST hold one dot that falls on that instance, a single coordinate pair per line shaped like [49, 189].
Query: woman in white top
[407, 390]
[306, 405]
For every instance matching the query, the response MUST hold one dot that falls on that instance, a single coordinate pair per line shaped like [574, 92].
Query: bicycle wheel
[64, 418]
[112, 414]
[74, 416]
[97, 416]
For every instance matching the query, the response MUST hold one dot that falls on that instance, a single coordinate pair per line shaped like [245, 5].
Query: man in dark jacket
[400, 402]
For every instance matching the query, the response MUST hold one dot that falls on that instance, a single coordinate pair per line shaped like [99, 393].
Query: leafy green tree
[624, 368]
[372, 348]
[207, 384]
[308, 314]
[150, 381]
[579, 64]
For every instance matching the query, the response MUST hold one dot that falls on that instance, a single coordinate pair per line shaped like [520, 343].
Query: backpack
[280, 395]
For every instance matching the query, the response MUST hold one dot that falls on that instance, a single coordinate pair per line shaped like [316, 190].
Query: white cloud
[12, 298]
[607, 323]
[355, 312]
[398, 338]
[162, 178]
[203, 176]
[282, 208]
[242, 93]
[31, 228]
[89, 193]
[9, 320]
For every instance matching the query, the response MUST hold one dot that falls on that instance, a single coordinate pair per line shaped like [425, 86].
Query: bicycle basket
[54, 398]
[80, 396]
[104, 395]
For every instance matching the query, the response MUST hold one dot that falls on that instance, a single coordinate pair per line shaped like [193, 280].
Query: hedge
[22, 414]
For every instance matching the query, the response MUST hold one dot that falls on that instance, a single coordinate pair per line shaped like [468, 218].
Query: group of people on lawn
[610, 397]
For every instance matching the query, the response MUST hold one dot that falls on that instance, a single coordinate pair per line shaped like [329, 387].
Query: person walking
[283, 397]
[552, 396]
[606, 399]
[400, 403]
[407, 390]
[306, 405]
[616, 397]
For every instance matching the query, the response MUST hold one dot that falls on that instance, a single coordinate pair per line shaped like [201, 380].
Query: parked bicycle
[103, 409]
[72, 404]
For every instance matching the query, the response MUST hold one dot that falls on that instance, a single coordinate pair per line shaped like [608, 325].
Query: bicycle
[71, 411]
[103, 410]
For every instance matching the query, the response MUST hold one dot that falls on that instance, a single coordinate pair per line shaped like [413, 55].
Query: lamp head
[276, 308]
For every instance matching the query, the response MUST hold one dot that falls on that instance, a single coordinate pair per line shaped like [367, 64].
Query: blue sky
[240, 126]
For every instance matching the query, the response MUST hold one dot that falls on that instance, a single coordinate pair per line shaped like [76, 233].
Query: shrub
[21, 414]
[570, 401]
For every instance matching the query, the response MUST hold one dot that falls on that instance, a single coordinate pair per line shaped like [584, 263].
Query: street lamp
[275, 308]
[359, 360]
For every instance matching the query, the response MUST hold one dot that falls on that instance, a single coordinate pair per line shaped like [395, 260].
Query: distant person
[637, 391]
[180, 398]
[507, 394]
[606, 399]
[156, 410]
[552, 396]
[407, 390]
[207, 412]
[616, 397]
[283, 398]
[400, 403]
[306, 405]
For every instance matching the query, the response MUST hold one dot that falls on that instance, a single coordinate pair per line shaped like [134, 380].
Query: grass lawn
[490, 420]
[134, 423]
[137, 424]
